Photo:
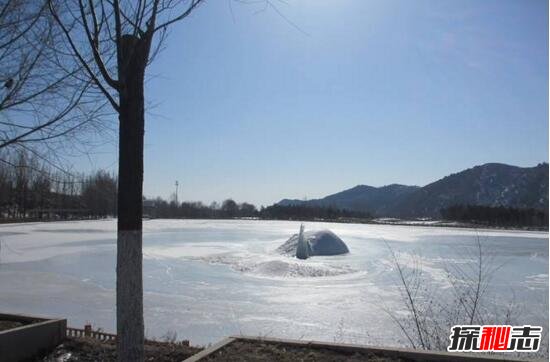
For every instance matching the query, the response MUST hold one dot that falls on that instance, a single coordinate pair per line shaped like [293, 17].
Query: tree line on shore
[496, 216]
[159, 208]
[30, 189]
[299, 212]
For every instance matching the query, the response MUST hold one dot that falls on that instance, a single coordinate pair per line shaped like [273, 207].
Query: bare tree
[431, 311]
[44, 103]
[112, 42]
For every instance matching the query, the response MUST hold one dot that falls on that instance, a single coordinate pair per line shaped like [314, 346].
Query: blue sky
[248, 104]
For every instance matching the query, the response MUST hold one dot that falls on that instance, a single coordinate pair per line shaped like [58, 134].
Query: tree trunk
[129, 293]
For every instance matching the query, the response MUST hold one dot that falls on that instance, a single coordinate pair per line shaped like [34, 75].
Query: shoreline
[380, 221]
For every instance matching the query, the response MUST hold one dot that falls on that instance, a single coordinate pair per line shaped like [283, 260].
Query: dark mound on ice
[313, 243]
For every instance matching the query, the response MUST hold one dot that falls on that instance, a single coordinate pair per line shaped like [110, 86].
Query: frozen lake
[206, 279]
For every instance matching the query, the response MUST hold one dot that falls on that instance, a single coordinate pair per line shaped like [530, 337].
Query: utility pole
[177, 184]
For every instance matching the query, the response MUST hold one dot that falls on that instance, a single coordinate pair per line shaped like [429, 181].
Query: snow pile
[323, 242]
[278, 267]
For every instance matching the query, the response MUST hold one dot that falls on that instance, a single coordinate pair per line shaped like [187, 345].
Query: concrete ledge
[207, 351]
[38, 336]
[404, 353]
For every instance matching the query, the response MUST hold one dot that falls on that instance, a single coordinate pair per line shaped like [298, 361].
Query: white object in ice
[311, 243]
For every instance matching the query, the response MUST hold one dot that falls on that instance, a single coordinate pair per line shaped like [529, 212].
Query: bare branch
[57, 118]
[81, 59]
[94, 44]
[192, 6]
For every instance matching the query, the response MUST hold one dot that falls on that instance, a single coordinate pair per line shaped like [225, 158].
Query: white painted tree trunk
[129, 296]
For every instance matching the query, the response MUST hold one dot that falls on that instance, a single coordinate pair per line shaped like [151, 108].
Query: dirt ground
[9, 325]
[88, 350]
[253, 351]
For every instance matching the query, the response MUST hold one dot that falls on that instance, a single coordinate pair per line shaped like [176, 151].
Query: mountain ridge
[490, 184]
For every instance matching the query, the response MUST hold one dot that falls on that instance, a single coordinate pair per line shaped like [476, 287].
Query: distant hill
[491, 184]
[375, 200]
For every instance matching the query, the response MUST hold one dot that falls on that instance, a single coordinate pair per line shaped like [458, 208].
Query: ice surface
[206, 279]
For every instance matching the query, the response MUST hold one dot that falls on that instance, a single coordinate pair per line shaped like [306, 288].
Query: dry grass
[256, 351]
[4, 325]
[88, 350]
